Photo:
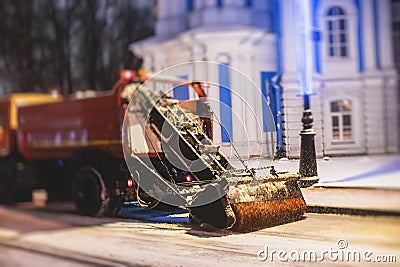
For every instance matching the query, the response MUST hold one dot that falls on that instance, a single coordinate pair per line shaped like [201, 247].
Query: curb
[350, 211]
[352, 201]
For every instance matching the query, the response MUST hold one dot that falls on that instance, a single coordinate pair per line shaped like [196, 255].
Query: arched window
[342, 122]
[336, 25]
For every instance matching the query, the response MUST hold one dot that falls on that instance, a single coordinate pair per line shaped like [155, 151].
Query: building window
[337, 28]
[342, 122]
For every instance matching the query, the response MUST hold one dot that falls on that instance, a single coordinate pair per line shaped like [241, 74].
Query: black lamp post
[308, 161]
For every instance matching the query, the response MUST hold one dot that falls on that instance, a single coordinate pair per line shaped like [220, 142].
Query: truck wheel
[90, 192]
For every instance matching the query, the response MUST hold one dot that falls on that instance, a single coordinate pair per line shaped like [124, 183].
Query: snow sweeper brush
[247, 206]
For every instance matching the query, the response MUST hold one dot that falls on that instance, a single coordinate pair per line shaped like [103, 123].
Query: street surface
[364, 185]
[55, 236]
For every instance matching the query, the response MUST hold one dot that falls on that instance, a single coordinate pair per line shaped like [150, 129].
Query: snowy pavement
[130, 242]
[372, 171]
[364, 171]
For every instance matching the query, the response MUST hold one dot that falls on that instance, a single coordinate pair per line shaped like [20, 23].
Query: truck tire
[94, 194]
[89, 192]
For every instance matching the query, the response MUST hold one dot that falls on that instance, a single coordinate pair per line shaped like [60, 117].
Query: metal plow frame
[242, 202]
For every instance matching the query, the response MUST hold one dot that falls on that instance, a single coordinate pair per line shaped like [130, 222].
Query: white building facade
[354, 83]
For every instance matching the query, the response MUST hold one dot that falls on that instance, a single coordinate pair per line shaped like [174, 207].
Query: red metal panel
[6, 135]
[60, 130]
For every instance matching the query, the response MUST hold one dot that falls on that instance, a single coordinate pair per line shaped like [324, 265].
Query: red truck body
[72, 146]
[65, 144]
[61, 130]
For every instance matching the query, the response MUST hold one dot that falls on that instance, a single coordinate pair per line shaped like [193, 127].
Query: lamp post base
[308, 160]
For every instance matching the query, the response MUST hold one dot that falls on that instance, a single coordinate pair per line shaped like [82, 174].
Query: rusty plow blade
[274, 200]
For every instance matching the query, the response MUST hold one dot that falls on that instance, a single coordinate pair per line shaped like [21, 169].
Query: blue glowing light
[304, 45]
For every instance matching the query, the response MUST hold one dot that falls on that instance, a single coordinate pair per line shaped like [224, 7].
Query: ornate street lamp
[308, 161]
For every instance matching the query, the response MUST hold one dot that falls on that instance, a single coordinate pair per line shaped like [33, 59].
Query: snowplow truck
[74, 146]
[164, 137]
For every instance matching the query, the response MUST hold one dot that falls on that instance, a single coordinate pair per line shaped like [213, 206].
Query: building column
[288, 33]
[292, 102]
[234, 3]
[199, 68]
[249, 94]
[374, 116]
[210, 3]
[171, 18]
[163, 14]
[368, 35]
[389, 85]
[163, 10]
[213, 97]
[238, 114]
[252, 95]
[385, 34]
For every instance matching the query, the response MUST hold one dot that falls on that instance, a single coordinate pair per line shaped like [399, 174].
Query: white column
[198, 5]
[234, 3]
[237, 93]
[368, 34]
[163, 14]
[385, 34]
[374, 116]
[249, 94]
[163, 9]
[209, 3]
[180, 7]
[288, 35]
[199, 70]
[213, 98]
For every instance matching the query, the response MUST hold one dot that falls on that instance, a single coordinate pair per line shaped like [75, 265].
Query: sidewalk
[372, 171]
[355, 185]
